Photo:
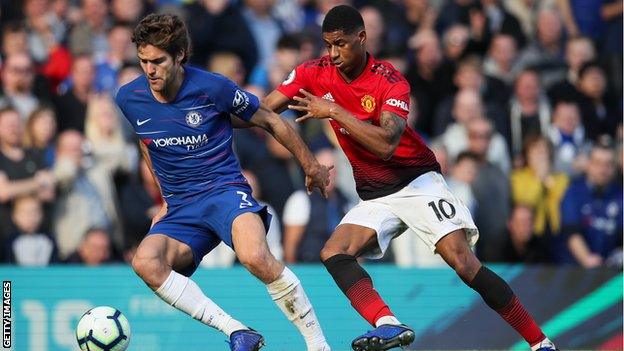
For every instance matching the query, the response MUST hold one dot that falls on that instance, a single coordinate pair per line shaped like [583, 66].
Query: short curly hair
[166, 32]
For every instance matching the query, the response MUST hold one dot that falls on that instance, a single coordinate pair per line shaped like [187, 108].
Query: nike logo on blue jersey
[140, 123]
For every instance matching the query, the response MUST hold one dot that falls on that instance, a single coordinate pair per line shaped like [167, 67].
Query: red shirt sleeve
[396, 99]
[297, 79]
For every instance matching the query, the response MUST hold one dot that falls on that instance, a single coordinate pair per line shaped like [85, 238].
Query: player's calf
[495, 292]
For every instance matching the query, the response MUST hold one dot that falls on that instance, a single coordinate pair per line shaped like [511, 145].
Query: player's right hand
[318, 177]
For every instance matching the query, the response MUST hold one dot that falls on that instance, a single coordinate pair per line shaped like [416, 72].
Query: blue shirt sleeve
[571, 210]
[232, 99]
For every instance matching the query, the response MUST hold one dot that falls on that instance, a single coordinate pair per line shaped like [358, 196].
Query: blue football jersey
[189, 139]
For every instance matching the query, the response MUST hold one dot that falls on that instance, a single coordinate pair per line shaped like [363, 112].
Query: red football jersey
[379, 88]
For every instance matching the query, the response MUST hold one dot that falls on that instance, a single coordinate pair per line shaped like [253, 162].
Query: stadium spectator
[14, 39]
[592, 211]
[526, 12]
[216, 26]
[17, 76]
[469, 75]
[529, 111]
[104, 133]
[455, 47]
[286, 57]
[310, 220]
[579, 51]
[492, 193]
[139, 201]
[545, 54]
[567, 136]
[466, 12]
[419, 15]
[40, 133]
[424, 78]
[229, 65]
[29, 246]
[265, 29]
[441, 154]
[500, 61]
[536, 185]
[127, 11]
[120, 51]
[612, 43]
[467, 108]
[454, 43]
[375, 29]
[463, 175]
[46, 32]
[599, 112]
[500, 21]
[89, 35]
[523, 245]
[95, 249]
[21, 172]
[85, 198]
[71, 102]
[127, 73]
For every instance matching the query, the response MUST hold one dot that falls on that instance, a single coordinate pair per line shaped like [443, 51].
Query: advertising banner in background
[579, 309]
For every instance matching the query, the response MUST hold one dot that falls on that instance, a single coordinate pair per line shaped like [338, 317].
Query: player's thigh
[249, 237]
[165, 250]
[366, 230]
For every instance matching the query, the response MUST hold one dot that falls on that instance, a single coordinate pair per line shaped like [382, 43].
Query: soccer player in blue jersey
[182, 116]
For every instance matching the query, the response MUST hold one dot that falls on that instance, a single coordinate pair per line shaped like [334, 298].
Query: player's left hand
[313, 106]
[318, 177]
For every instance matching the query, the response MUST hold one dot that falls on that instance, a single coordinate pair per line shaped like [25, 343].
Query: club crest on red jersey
[368, 103]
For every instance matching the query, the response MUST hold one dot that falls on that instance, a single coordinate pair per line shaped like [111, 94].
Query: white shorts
[426, 206]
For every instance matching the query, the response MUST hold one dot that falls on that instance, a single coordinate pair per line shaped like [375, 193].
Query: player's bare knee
[254, 260]
[330, 250]
[148, 265]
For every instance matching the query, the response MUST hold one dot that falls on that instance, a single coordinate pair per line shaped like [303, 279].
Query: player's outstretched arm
[275, 101]
[317, 175]
[381, 140]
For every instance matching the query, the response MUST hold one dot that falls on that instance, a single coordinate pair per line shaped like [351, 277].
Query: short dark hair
[467, 155]
[588, 66]
[288, 41]
[166, 32]
[344, 18]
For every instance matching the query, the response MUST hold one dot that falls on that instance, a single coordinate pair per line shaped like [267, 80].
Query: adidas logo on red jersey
[329, 97]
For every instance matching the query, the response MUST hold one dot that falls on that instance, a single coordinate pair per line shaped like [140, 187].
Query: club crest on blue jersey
[240, 101]
[193, 118]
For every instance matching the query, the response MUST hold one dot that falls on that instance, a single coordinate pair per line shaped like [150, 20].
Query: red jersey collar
[369, 63]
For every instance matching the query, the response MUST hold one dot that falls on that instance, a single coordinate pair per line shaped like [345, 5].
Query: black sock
[493, 289]
[345, 270]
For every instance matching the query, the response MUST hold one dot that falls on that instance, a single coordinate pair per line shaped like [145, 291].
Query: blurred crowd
[521, 101]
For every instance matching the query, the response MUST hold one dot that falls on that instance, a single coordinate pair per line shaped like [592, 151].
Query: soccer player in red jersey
[397, 177]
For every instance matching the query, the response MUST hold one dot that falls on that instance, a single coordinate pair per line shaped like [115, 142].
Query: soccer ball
[103, 329]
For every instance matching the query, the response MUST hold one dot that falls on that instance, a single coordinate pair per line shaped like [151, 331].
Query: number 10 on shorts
[443, 208]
